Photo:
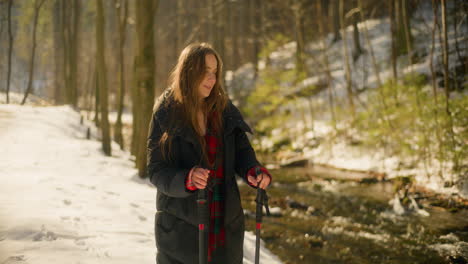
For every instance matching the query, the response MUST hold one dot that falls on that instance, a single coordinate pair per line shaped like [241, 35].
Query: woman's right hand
[199, 177]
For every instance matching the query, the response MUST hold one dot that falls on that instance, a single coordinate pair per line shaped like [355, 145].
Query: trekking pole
[203, 220]
[262, 199]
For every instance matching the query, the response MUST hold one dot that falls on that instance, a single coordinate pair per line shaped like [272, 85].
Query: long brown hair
[184, 81]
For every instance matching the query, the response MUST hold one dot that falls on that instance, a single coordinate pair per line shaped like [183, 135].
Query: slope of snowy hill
[63, 201]
[339, 153]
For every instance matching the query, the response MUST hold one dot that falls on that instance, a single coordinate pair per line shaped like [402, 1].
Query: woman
[197, 140]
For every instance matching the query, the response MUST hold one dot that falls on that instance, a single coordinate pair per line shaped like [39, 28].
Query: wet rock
[314, 241]
[396, 205]
[416, 207]
[457, 260]
[451, 237]
[249, 214]
[294, 162]
[274, 211]
[296, 205]
[411, 206]
[314, 211]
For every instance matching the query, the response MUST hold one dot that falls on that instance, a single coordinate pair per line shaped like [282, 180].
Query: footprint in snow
[14, 259]
[44, 235]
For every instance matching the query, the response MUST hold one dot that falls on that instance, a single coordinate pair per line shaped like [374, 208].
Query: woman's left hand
[263, 178]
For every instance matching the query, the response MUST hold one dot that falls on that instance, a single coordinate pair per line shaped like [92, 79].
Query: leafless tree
[37, 8]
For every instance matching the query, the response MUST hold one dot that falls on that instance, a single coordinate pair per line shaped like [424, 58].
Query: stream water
[330, 221]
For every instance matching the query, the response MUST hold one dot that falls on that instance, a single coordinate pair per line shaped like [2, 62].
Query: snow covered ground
[63, 201]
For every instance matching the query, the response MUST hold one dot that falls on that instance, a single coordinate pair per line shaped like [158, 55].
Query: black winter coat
[176, 224]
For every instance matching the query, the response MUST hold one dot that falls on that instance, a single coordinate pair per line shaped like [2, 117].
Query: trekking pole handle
[262, 197]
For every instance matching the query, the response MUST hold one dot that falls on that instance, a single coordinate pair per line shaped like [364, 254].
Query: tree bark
[102, 78]
[334, 15]
[220, 27]
[371, 50]
[394, 54]
[211, 23]
[37, 8]
[258, 32]
[326, 63]
[75, 40]
[404, 39]
[10, 51]
[66, 38]
[357, 43]
[445, 52]
[122, 15]
[299, 38]
[349, 81]
[407, 31]
[58, 54]
[235, 35]
[180, 18]
[447, 84]
[97, 104]
[144, 68]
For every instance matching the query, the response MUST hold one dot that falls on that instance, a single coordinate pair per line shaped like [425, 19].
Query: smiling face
[209, 80]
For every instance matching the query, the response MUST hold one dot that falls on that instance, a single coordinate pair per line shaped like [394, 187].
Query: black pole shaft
[257, 246]
[203, 220]
[258, 218]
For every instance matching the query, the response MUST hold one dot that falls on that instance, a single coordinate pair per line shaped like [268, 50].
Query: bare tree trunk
[66, 38]
[334, 14]
[228, 37]
[357, 43]
[88, 87]
[407, 30]
[181, 14]
[326, 64]
[97, 101]
[445, 53]
[258, 32]
[349, 82]
[455, 29]
[58, 54]
[394, 54]
[461, 62]
[144, 79]
[235, 35]
[220, 27]
[10, 51]
[431, 64]
[102, 78]
[298, 24]
[371, 50]
[37, 8]
[74, 37]
[394, 51]
[403, 27]
[122, 14]
[221, 20]
[447, 84]
[441, 152]
[211, 21]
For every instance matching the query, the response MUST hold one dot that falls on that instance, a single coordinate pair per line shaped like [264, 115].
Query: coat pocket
[176, 237]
